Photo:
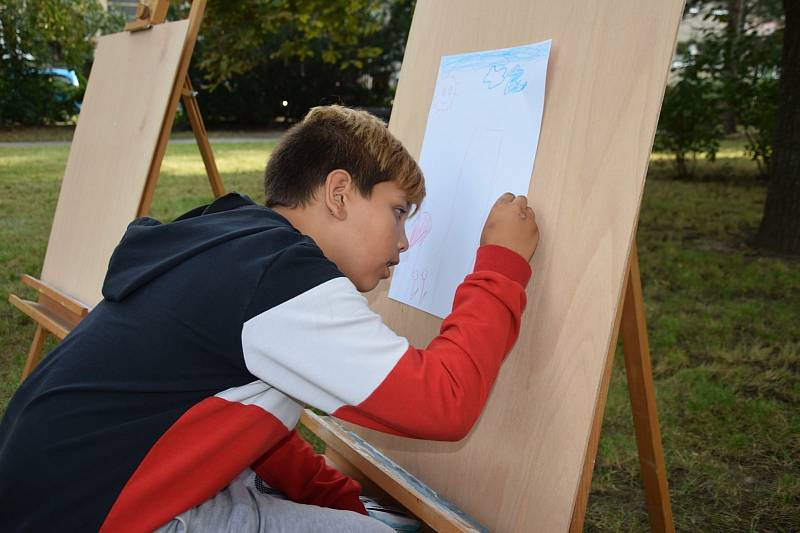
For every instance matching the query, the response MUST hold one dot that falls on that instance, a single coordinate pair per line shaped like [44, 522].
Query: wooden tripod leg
[630, 322]
[35, 352]
[585, 483]
[195, 18]
[201, 136]
[643, 402]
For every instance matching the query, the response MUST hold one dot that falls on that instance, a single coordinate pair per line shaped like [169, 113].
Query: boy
[175, 399]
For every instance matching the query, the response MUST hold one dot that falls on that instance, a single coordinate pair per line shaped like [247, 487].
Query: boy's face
[372, 235]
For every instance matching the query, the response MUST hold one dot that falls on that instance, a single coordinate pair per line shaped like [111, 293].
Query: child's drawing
[495, 77]
[480, 141]
[445, 94]
[512, 78]
[418, 280]
[420, 229]
[475, 176]
[515, 82]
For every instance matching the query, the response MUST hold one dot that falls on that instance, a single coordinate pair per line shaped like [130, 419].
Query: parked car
[66, 82]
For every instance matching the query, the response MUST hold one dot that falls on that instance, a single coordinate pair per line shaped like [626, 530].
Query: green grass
[37, 134]
[724, 329]
[723, 321]
[29, 184]
[64, 133]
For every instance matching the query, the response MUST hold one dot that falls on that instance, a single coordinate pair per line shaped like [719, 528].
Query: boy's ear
[338, 185]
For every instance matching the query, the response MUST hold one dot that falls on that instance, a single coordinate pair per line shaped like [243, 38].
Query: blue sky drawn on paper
[490, 58]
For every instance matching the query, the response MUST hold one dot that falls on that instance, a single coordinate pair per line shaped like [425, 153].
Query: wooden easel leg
[201, 135]
[643, 402]
[195, 18]
[585, 483]
[35, 352]
[630, 322]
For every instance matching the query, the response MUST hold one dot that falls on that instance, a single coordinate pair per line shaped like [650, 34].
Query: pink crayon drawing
[420, 229]
[418, 280]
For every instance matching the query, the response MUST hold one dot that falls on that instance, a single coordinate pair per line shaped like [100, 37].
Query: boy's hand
[511, 223]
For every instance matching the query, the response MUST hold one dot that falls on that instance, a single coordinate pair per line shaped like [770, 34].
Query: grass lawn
[65, 133]
[724, 323]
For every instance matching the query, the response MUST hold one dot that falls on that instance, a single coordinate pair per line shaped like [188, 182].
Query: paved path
[188, 140]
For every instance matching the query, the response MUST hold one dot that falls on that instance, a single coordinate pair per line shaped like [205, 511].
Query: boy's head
[341, 177]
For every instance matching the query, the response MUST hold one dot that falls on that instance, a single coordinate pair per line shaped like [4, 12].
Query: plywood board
[519, 468]
[124, 107]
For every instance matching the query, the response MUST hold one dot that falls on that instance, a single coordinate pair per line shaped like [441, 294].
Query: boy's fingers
[505, 198]
[521, 201]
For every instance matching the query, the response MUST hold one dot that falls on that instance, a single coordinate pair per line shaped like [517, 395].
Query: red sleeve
[438, 392]
[325, 347]
[293, 468]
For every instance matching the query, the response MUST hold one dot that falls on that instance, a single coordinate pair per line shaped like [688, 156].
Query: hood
[150, 248]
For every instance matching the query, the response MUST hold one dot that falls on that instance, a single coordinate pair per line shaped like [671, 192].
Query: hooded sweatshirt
[213, 332]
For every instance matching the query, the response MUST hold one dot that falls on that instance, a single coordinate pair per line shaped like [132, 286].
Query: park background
[718, 239]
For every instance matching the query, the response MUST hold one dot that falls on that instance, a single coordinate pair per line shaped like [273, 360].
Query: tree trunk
[733, 31]
[780, 225]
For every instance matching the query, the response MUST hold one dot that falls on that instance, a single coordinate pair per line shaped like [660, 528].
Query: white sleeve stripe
[267, 398]
[324, 347]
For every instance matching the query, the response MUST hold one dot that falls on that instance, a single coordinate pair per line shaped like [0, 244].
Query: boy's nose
[403, 244]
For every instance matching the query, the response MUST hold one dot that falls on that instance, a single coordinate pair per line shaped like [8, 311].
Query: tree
[35, 35]
[257, 60]
[780, 225]
[734, 28]
[763, 90]
[240, 36]
[689, 122]
[739, 53]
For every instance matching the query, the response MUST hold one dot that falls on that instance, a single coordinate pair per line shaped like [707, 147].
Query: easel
[56, 313]
[527, 464]
[148, 13]
[380, 475]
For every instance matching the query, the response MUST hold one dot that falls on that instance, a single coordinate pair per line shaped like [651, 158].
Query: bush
[252, 56]
[28, 97]
[754, 94]
[38, 34]
[689, 123]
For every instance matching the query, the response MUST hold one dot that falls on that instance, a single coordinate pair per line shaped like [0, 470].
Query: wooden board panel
[123, 109]
[519, 468]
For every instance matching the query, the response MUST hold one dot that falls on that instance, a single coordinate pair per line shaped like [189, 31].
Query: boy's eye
[400, 212]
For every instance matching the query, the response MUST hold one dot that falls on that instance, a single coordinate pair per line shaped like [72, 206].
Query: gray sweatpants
[246, 506]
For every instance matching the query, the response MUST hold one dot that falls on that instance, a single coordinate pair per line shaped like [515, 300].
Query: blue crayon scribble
[499, 58]
[499, 74]
[495, 77]
[515, 82]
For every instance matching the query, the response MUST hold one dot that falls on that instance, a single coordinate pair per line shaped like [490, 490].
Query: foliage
[252, 56]
[255, 98]
[689, 123]
[737, 58]
[755, 97]
[746, 62]
[37, 34]
[244, 34]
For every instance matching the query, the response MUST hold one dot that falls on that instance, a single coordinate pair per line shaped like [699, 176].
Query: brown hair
[336, 137]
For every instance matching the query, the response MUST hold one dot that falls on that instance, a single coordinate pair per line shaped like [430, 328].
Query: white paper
[480, 141]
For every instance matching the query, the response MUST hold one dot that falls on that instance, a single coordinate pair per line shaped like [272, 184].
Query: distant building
[697, 22]
[126, 6]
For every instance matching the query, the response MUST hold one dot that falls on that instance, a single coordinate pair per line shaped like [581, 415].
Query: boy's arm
[325, 347]
[438, 392]
[294, 468]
